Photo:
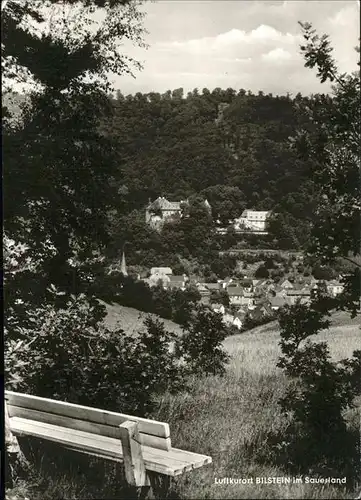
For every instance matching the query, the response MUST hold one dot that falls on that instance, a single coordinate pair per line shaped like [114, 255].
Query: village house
[212, 286]
[225, 283]
[218, 308]
[263, 286]
[161, 270]
[280, 292]
[278, 302]
[161, 210]
[261, 311]
[286, 284]
[334, 288]
[252, 220]
[206, 289]
[232, 320]
[179, 282]
[241, 311]
[237, 321]
[235, 294]
[157, 279]
[239, 296]
[204, 293]
[159, 275]
[302, 294]
[247, 284]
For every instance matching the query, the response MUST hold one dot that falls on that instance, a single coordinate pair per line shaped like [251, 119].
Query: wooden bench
[142, 445]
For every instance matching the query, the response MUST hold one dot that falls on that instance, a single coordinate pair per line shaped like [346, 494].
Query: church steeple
[123, 266]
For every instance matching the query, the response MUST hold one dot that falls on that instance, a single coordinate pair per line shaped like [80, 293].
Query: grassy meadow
[231, 419]
[131, 320]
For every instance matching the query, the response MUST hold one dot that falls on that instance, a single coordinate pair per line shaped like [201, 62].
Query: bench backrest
[105, 423]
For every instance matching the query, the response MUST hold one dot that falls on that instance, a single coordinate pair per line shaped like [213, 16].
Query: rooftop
[163, 204]
[235, 291]
[161, 270]
[175, 279]
[260, 213]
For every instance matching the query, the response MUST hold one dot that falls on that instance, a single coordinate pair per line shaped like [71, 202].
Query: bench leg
[160, 485]
[135, 472]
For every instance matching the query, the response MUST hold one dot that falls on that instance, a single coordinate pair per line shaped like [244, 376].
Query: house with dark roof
[260, 311]
[162, 210]
[301, 294]
[235, 294]
[246, 283]
[179, 282]
[278, 302]
[212, 286]
[286, 284]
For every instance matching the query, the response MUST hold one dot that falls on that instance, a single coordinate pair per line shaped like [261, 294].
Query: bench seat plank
[96, 415]
[85, 425]
[170, 463]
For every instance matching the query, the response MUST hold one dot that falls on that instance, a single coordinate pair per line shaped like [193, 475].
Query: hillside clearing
[257, 350]
[234, 418]
[132, 320]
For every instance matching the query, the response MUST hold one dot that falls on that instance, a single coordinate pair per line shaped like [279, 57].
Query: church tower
[123, 266]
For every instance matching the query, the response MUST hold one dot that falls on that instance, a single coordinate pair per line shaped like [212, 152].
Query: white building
[252, 220]
[161, 270]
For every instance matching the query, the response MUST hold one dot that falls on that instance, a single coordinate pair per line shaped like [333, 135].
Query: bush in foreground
[73, 357]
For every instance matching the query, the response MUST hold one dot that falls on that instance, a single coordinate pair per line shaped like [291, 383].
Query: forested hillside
[230, 147]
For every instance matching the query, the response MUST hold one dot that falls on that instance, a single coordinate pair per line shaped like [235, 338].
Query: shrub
[71, 356]
[201, 344]
[323, 273]
[261, 272]
[318, 439]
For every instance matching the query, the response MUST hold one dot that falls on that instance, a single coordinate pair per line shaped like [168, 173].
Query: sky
[252, 45]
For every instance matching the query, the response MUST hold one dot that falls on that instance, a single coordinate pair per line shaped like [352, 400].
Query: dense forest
[230, 147]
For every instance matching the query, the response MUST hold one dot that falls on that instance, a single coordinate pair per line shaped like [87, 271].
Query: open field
[231, 419]
[131, 320]
[257, 350]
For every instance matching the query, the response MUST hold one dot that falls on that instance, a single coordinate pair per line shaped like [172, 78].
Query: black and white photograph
[181, 249]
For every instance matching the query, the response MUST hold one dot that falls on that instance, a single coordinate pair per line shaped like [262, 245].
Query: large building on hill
[162, 210]
[253, 220]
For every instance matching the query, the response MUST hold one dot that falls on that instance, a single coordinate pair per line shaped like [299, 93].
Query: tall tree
[321, 438]
[59, 167]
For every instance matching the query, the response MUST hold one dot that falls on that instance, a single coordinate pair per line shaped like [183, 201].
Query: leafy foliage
[201, 344]
[319, 438]
[74, 358]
